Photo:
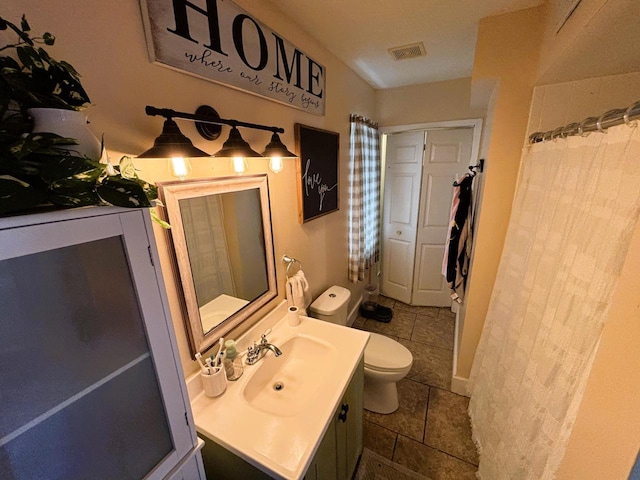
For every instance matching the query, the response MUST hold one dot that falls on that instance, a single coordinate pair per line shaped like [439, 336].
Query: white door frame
[457, 384]
[476, 123]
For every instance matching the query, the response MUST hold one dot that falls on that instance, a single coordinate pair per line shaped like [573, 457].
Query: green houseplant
[43, 168]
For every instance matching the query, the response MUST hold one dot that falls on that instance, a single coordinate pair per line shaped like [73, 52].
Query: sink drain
[278, 386]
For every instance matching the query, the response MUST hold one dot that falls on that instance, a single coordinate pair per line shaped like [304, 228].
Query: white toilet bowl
[385, 360]
[385, 363]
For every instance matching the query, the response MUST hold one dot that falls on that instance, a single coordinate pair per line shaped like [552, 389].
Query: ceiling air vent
[408, 51]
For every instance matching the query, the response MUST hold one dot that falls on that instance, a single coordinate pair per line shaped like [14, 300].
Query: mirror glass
[221, 238]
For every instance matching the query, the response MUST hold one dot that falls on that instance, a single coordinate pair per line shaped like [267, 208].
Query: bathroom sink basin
[276, 414]
[285, 385]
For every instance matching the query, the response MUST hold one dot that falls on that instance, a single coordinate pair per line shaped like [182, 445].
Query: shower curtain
[203, 222]
[575, 209]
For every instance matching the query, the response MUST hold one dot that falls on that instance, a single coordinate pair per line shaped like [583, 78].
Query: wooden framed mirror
[222, 244]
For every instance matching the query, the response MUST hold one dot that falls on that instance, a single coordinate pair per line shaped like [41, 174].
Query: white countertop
[283, 445]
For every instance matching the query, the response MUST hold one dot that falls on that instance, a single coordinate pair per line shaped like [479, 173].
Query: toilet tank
[332, 306]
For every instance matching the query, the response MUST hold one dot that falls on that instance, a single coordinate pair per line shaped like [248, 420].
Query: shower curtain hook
[581, 126]
[627, 114]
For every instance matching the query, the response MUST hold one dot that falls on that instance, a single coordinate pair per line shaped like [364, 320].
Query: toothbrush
[203, 367]
[218, 361]
[221, 355]
[221, 345]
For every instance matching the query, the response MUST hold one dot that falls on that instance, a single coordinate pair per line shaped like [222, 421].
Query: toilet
[385, 360]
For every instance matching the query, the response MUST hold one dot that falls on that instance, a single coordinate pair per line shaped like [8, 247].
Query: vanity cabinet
[90, 379]
[338, 454]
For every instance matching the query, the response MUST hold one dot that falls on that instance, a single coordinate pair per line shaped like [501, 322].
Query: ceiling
[360, 32]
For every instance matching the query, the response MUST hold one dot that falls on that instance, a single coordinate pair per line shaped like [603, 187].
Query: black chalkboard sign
[318, 182]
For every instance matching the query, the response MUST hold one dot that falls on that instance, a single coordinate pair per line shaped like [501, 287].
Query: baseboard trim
[460, 385]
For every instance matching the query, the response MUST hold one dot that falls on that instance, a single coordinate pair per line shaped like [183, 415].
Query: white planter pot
[68, 124]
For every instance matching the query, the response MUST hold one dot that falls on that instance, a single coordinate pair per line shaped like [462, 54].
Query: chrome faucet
[258, 351]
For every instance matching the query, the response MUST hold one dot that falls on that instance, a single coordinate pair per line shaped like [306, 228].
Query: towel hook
[291, 261]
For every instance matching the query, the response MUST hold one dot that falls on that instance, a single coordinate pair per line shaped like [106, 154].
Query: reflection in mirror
[221, 237]
[217, 228]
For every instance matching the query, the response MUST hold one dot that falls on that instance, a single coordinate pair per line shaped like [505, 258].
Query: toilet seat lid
[384, 353]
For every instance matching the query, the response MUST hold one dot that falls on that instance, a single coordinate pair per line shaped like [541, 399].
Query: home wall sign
[219, 41]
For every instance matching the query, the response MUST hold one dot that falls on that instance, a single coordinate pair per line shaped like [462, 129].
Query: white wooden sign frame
[218, 41]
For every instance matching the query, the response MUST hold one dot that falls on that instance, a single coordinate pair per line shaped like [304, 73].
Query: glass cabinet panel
[79, 390]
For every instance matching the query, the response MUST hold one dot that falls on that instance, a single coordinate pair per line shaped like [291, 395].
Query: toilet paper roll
[294, 316]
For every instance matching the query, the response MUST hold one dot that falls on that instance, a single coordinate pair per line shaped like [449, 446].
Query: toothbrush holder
[215, 383]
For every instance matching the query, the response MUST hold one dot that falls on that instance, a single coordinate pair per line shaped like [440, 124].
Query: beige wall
[427, 102]
[105, 42]
[507, 52]
[601, 38]
[606, 436]
[563, 103]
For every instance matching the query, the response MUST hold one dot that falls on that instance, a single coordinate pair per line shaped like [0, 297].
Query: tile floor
[430, 432]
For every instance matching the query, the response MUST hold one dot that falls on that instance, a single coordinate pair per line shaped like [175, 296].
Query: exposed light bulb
[276, 164]
[239, 164]
[180, 167]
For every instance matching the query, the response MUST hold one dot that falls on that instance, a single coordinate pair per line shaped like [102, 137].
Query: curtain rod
[353, 117]
[608, 119]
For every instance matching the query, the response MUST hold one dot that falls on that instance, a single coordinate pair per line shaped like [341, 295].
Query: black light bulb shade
[172, 143]
[276, 148]
[236, 146]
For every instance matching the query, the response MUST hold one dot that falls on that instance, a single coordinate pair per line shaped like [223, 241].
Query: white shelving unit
[90, 379]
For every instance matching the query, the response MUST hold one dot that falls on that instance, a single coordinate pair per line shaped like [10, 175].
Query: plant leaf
[122, 192]
[23, 36]
[24, 24]
[30, 57]
[41, 143]
[48, 38]
[74, 198]
[9, 63]
[70, 168]
[127, 168]
[16, 195]
[156, 218]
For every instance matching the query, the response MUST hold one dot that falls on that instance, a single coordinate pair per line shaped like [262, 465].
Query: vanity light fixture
[175, 146]
[208, 124]
[236, 146]
[239, 164]
[277, 152]
[180, 167]
[172, 143]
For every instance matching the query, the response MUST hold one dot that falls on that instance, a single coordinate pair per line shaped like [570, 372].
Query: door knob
[398, 232]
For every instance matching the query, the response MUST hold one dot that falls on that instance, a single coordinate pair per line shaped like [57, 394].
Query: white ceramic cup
[214, 384]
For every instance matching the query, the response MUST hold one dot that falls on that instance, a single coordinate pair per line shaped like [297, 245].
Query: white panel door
[447, 156]
[403, 171]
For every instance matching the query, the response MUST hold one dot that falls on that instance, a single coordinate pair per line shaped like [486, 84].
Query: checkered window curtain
[364, 206]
